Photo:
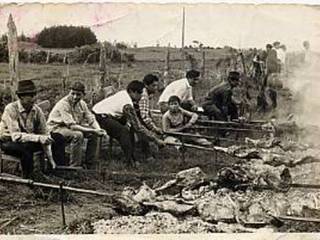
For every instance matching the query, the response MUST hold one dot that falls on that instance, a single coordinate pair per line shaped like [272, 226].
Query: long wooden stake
[251, 123]
[232, 129]
[62, 205]
[54, 186]
[180, 134]
[300, 219]
[187, 145]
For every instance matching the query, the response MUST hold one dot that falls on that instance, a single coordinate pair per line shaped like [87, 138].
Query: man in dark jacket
[219, 104]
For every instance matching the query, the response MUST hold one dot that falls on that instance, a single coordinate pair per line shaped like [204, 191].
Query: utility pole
[183, 35]
[183, 26]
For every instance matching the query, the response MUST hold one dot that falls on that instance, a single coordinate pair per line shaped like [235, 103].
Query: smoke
[304, 84]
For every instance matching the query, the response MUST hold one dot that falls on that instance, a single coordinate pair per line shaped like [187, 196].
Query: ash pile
[258, 192]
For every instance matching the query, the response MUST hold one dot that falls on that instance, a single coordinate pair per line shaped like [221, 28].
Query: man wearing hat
[181, 88]
[23, 130]
[219, 104]
[72, 118]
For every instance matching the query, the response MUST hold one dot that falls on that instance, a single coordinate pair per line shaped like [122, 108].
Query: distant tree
[22, 37]
[121, 45]
[4, 38]
[65, 37]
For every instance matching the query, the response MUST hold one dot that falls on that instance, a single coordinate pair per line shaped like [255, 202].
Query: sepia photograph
[157, 118]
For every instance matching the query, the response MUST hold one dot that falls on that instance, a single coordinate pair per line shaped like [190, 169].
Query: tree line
[65, 37]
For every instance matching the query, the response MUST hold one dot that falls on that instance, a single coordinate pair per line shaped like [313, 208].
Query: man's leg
[144, 145]
[58, 149]
[233, 111]
[121, 133]
[92, 149]
[273, 96]
[75, 138]
[24, 151]
[212, 111]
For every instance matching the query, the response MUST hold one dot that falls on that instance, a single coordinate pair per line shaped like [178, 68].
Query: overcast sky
[213, 24]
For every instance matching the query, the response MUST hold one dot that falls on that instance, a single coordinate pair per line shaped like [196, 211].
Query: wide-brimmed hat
[26, 87]
[234, 75]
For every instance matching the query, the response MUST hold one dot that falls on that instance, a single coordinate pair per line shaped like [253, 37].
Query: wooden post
[203, 65]
[103, 57]
[48, 57]
[167, 61]
[65, 58]
[13, 50]
[243, 64]
[65, 76]
[166, 69]
[121, 71]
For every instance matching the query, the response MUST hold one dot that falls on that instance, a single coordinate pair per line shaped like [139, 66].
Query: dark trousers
[215, 113]
[117, 130]
[25, 151]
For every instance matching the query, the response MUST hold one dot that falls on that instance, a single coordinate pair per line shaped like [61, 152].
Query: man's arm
[132, 117]
[10, 118]
[144, 108]
[193, 117]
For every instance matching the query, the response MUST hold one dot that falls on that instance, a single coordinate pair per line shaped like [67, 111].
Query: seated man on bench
[72, 118]
[23, 130]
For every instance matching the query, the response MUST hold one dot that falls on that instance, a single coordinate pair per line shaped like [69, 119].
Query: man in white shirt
[115, 112]
[181, 88]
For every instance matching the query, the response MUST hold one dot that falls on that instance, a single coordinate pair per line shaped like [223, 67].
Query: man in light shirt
[72, 118]
[115, 113]
[183, 89]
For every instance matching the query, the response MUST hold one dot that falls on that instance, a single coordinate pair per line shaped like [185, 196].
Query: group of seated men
[24, 129]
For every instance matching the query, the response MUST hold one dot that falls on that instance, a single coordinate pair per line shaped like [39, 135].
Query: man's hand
[158, 130]
[242, 119]
[194, 108]
[45, 140]
[160, 143]
[100, 132]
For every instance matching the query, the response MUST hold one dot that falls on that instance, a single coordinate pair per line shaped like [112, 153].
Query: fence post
[48, 57]
[166, 69]
[13, 50]
[203, 65]
[167, 61]
[121, 70]
[65, 58]
[103, 57]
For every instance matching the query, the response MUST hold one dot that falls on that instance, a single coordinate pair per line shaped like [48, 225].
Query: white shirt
[281, 54]
[180, 88]
[113, 105]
